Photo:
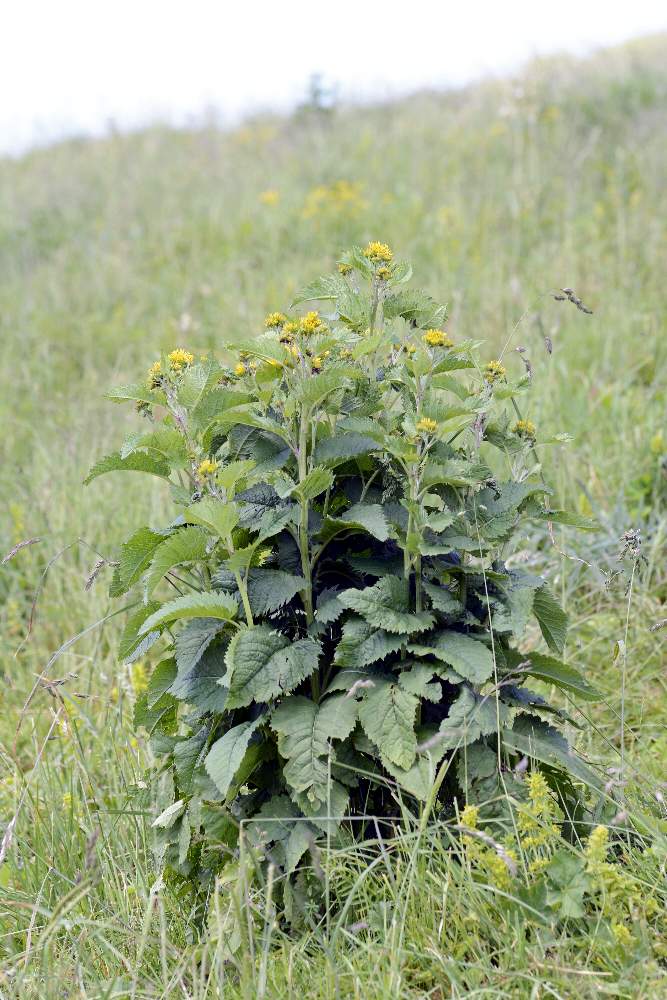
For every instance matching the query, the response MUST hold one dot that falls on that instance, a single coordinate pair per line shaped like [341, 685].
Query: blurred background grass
[112, 250]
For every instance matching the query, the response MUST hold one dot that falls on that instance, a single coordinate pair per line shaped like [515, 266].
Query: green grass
[113, 250]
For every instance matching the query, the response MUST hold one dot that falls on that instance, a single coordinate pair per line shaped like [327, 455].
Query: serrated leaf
[211, 604]
[185, 546]
[415, 307]
[442, 599]
[469, 657]
[533, 737]
[165, 442]
[553, 671]
[138, 461]
[160, 681]
[385, 605]
[362, 644]
[220, 518]
[470, 717]
[193, 640]
[305, 729]
[132, 635]
[329, 609]
[262, 664]
[200, 683]
[168, 817]
[551, 619]
[187, 757]
[570, 519]
[135, 556]
[270, 589]
[368, 517]
[226, 755]
[342, 447]
[418, 681]
[324, 288]
[387, 715]
[317, 481]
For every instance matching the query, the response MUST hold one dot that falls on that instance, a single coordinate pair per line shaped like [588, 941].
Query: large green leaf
[341, 447]
[163, 442]
[184, 546]
[211, 604]
[138, 461]
[533, 737]
[133, 636]
[362, 644]
[386, 606]
[469, 657]
[305, 730]
[200, 683]
[220, 518]
[135, 557]
[368, 517]
[387, 715]
[316, 482]
[193, 640]
[326, 287]
[470, 717]
[551, 619]
[552, 671]
[262, 664]
[226, 755]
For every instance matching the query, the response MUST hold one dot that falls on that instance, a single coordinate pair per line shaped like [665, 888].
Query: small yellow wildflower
[410, 348]
[494, 371]
[179, 359]
[498, 867]
[469, 816]
[139, 677]
[426, 425]
[538, 792]
[67, 800]
[311, 323]
[274, 320]
[207, 468]
[154, 375]
[378, 253]
[344, 268]
[525, 429]
[273, 363]
[289, 329]
[622, 934]
[596, 848]
[316, 364]
[269, 197]
[384, 273]
[240, 369]
[345, 352]
[437, 338]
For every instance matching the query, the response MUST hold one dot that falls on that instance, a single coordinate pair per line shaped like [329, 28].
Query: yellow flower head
[274, 320]
[154, 375]
[409, 348]
[494, 371]
[179, 359]
[538, 792]
[316, 364]
[207, 468]
[240, 369]
[525, 428]
[269, 197]
[345, 352]
[622, 934]
[384, 273]
[596, 848]
[289, 329]
[311, 323]
[437, 338]
[344, 268]
[470, 816]
[426, 425]
[378, 253]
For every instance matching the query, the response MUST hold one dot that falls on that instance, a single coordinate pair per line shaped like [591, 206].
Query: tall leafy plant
[329, 611]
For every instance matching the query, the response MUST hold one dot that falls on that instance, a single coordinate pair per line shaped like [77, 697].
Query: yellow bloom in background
[494, 371]
[270, 197]
[207, 468]
[316, 364]
[470, 816]
[525, 428]
[410, 348]
[622, 934]
[426, 425]
[339, 198]
[344, 268]
[378, 253]
[154, 375]
[139, 677]
[311, 323]
[437, 338]
[67, 800]
[179, 358]
[274, 320]
[240, 369]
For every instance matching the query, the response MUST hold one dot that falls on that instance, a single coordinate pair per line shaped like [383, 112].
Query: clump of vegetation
[341, 639]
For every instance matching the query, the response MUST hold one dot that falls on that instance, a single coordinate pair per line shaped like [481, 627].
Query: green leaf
[168, 817]
[341, 447]
[442, 599]
[135, 556]
[324, 288]
[185, 546]
[552, 671]
[201, 683]
[305, 730]
[362, 644]
[138, 461]
[132, 635]
[368, 517]
[270, 589]
[387, 715]
[385, 605]
[469, 657]
[187, 757]
[415, 307]
[551, 619]
[316, 482]
[570, 519]
[138, 392]
[226, 755]
[160, 681]
[418, 681]
[262, 664]
[194, 639]
[313, 391]
[220, 518]
[470, 717]
[164, 442]
[211, 604]
[536, 739]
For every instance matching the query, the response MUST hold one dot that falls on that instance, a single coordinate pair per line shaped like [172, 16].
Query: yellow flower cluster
[535, 820]
[494, 371]
[316, 364]
[269, 197]
[384, 273]
[311, 323]
[426, 425]
[340, 198]
[139, 678]
[207, 468]
[240, 369]
[378, 253]
[494, 863]
[437, 338]
[154, 375]
[179, 359]
[274, 320]
[525, 429]
[344, 268]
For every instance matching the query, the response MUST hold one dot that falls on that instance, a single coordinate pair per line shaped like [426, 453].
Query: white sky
[69, 66]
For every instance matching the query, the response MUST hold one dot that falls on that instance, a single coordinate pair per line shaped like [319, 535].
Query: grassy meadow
[114, 250]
